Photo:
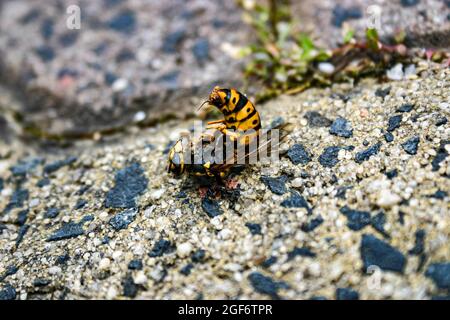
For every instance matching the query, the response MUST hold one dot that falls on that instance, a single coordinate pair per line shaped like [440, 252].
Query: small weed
[283, 60]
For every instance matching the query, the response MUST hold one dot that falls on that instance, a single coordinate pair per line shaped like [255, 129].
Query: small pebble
[211, 207]
[346, 294]
[394, 122]
[356, 220]
[375, 252]
[341, 127]
[298, 154]
[411, 145]
[276, 185]
[366, 154]
[184, 249]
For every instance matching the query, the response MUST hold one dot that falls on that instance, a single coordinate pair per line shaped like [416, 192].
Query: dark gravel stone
[266, 285]
[341, 96]
[198, 256]
[341, 14]
[440, 194]
[346, 294]
[54, 166]
[8, 293]
[341, 192]
[315, 119]
[389, 137]
[51, 213]
[278, 121]
[409, 3]
[10, 270]
[296, 200]
[130, 289]
[329, 157]
[411, 145]
[378, 221]
[254, 228]
[67, 72]
[23, 167]
[124, 22]
[442, 298]
[82, 190]
[201, 50]
[130, 182]
[80, 204]
[441, 154]
[391, 174]
[2, 227]
[394, 122]
[67, 231]
[22, 217]
[47, 28]
[419, 246]
[1, 184]
[17, 199]
[356, 220]
[341, 127]
[21, 234]
[440, 274]
[407, 107]
[401, 217]
[123, 219]
[311, 225]
[441, 121]
[68, 39]
[125, 55]
[46, 53]
[62, 259]
[382, 93]
[269, 262]
[298, 154]
[41, 282]
[366, 154]
[135, 265]
[43, 182]
[170, 79]
[379, 253]
[303, 252]
[211, 207]
[161, 247]
[276, 185]
[186, 270]
[172, 41]
[181, 195]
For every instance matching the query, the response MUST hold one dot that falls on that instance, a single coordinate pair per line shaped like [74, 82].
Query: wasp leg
[230, 133]
[214, 122]
[222, 128]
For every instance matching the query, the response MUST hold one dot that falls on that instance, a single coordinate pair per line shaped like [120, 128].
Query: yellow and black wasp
[241, 124]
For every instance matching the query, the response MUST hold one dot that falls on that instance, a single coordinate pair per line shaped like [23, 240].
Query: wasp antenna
[207, 101]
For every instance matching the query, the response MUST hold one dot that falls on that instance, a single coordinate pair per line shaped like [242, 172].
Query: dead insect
[241, 125]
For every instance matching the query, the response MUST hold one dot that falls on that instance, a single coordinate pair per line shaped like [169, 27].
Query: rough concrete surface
[344, 214]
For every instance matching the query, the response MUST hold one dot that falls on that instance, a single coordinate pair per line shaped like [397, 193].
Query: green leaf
[349, 36]
[306, 43]
[372, 38]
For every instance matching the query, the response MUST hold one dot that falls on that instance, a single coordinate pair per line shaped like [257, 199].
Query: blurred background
[80, 67]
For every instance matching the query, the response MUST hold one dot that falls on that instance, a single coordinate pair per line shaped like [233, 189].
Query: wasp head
[219, 97]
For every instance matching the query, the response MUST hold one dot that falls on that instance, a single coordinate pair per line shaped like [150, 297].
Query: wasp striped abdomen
[240, 113]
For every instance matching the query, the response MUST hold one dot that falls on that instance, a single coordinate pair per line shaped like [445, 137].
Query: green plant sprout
[284, 62]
